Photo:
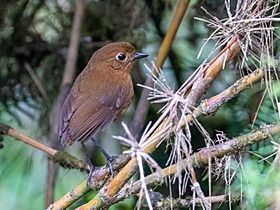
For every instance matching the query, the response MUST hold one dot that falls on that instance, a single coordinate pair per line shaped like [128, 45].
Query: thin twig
[7, 130]
[36, 80]
[61, 157]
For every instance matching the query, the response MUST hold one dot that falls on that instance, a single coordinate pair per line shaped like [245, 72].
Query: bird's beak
[138, 55]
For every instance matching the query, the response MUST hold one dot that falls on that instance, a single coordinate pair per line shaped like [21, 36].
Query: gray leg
[109, 158]
[91, 166]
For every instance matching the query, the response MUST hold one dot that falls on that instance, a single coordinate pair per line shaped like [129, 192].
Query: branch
[195, 87]
[61, 157]
[167, 203]
[72, 56]
[237, 144]
[211, 105]
[98, 179]
[157, 14]
[70, 197]
[7, 130]
[199, 159]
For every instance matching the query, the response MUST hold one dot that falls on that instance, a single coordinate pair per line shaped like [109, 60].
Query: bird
[100, 94]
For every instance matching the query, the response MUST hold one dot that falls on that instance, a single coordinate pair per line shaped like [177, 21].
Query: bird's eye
[121, 57]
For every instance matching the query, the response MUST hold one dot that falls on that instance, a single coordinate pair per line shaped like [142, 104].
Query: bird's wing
[81, 122]
[67, 111]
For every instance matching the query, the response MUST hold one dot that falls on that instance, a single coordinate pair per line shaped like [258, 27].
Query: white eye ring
[121, 57]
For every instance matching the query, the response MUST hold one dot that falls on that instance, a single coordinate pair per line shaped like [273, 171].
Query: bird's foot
[110, 160]
[92, 168]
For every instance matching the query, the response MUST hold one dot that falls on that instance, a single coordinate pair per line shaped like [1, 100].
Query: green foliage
[258, 183]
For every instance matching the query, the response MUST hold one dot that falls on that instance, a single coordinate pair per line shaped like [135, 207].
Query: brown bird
[99, 95]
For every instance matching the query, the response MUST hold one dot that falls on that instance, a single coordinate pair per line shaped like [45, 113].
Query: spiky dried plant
[137, 150]
[251, 25]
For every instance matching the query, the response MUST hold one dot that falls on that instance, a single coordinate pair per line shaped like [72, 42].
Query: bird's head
[118, 56]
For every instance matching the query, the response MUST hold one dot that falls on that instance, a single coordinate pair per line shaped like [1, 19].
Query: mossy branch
[168, 203]
[61, 157]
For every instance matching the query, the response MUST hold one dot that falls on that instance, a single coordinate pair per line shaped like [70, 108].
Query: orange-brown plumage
[100, 93]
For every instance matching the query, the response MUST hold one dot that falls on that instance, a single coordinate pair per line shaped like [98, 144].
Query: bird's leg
[88, 160]
[109, 158]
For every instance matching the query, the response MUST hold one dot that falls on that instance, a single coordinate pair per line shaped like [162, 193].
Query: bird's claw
[92, 168]
[110, 160]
